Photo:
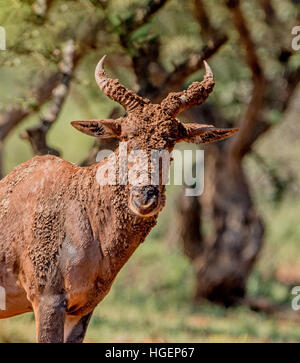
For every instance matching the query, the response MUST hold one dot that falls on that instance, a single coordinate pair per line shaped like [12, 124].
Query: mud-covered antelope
[63, 236]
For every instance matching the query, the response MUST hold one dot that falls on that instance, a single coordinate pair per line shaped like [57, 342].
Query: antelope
[63, 236]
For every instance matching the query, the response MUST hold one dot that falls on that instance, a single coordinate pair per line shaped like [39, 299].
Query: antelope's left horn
[195, 95]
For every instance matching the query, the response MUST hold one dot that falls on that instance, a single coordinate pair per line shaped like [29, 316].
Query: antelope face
[152, 127]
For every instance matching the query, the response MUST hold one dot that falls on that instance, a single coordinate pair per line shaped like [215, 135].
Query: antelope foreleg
[50, 316]
[75, 328]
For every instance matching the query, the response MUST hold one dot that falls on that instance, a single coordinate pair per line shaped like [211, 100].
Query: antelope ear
[99, 128]
[204, 134]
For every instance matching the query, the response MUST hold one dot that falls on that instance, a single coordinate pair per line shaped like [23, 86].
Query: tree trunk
[224, 250]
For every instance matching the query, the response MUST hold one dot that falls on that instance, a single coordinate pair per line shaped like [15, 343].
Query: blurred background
[219, 267]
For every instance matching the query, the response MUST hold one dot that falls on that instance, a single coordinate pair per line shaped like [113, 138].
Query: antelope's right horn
[115, 91]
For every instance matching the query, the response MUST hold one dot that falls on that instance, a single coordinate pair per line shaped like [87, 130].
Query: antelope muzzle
[145, 200]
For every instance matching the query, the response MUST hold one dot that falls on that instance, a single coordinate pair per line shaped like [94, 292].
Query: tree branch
[209, 32]
[148, 54]
[41, 7]
[278, 30]
[138, 18]
[241, 144]
[15, 114]
[214, 39]
[195, 62]
[269, 12]
[37, 134]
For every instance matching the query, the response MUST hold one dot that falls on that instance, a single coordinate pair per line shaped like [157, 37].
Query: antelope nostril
[150, 195]
[144, 200]
[145, 194]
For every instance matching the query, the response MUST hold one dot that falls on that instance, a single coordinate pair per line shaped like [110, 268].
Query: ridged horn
[195, 95]
[115, 91]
